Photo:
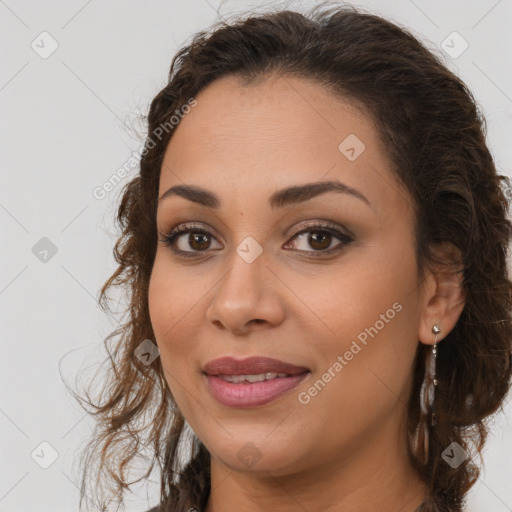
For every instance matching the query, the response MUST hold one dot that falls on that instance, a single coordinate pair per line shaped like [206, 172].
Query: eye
[199, 239]
[319, 236]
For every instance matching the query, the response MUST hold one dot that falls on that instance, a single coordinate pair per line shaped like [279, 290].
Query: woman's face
[342, 300]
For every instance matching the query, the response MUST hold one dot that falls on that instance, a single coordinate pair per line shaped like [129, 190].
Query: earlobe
[444, 303]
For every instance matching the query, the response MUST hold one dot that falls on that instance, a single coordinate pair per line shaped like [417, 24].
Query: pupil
[318, 240]
[195, 238]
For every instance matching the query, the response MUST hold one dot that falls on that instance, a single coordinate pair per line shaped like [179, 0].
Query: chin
[277, 458]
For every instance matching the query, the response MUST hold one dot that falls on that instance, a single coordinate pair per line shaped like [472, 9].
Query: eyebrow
[284, 197]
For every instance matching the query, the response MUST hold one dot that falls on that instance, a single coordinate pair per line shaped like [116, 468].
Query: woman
[315, 251]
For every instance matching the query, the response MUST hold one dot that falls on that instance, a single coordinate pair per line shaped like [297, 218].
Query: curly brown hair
[434, 135]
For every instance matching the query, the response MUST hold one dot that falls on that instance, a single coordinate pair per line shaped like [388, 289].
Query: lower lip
[251, 394]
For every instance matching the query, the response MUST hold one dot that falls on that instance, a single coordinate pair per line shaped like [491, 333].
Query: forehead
[274, 133]
[281, 112]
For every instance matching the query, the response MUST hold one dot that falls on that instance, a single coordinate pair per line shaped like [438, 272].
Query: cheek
[171, 303]
[368, 315]
[344, 300]
[171, 311]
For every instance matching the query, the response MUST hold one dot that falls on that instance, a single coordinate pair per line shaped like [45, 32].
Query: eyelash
[316, 227]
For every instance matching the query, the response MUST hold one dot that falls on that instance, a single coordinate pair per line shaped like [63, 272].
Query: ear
[443, 299]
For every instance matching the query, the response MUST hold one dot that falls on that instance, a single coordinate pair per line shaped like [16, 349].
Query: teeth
[260, 377]
[254, 378]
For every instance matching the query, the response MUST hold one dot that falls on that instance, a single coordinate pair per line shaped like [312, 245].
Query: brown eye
[198, 241]
[318, 240]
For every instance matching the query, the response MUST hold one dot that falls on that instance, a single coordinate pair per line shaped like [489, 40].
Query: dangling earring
[427, 394]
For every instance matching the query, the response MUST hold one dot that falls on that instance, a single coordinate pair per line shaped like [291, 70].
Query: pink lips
[250, 394]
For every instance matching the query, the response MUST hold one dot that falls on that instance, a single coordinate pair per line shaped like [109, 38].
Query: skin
[346, 448]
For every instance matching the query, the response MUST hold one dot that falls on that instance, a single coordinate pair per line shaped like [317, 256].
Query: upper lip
[250, 366]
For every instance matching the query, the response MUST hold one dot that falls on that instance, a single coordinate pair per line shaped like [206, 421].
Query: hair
[433, 134]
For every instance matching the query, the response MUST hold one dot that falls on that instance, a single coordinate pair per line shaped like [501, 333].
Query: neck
[376, 475]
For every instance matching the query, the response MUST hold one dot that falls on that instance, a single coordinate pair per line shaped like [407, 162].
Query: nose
[247, 297]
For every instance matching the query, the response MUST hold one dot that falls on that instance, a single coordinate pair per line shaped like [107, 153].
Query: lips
[237, 382]
[250, 366]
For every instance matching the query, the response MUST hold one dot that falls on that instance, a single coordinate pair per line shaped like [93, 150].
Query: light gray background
[67, 123]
